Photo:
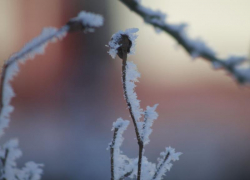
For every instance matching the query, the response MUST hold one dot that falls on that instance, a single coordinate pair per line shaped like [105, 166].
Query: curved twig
[195, 48]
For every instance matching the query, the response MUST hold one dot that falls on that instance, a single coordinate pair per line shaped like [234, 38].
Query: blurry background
[68, 98]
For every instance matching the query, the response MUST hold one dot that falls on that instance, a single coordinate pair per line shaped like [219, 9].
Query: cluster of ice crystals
[132, 76]
[9, 153]
[31, 171]
[114, 43]
[164, 164]
[121, 125]
[89, 20]
[148, 169]
[235, 60]
[152, 15]
[150, 115]
[158, 18]
[122, 164]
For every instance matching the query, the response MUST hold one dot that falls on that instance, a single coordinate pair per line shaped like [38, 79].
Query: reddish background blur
[68, 98]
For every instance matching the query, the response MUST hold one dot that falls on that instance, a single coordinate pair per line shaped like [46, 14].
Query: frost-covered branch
[195, 47]
[121, 165]
[164, 162]
[85, 21]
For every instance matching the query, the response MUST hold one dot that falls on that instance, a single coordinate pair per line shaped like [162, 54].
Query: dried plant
[122, 44]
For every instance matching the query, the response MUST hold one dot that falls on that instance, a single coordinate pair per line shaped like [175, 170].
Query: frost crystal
[31, 171]
[132, 76]
[148, 169]
[164, 162]
[114, 43]
[150, 116]
[89, 20]
[122, 164]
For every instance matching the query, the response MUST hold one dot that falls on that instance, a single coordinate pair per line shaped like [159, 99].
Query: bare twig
[194, 48]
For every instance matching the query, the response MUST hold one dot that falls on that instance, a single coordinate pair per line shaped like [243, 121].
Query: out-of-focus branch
[85, 21]
[196, 48]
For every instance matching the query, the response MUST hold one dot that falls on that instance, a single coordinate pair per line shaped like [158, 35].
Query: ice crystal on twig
[150, 115]
[164, 162]
[141, 168]
[121, 165]
[114, 43]
[89, 21]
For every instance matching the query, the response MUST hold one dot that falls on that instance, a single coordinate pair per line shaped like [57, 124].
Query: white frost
[122, 164]
[150, 115]
[132, 76]
[90, 21]
[164, 164]
[31, 171]
[113, 44]
[29, 51]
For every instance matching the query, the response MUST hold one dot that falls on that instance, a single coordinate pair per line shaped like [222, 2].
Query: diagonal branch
[84, 21]
[160, 166]
[196, 48]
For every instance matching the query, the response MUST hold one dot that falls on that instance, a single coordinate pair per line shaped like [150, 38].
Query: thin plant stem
[139, 140]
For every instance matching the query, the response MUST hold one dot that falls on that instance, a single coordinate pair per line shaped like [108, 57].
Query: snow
[89, 20]
[114, 43]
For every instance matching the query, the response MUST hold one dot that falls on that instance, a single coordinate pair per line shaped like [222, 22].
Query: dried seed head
[123, 42]
[125, 45]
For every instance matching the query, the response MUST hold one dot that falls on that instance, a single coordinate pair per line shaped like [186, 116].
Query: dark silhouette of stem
[122, 52]
[112, 153]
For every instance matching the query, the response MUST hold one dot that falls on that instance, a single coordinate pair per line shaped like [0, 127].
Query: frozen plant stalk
[122, 44]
